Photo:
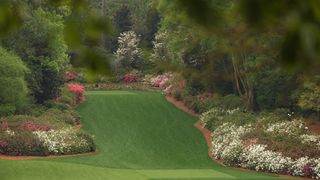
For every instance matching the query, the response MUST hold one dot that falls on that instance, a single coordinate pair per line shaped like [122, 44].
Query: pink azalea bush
[4, 126]
[161, 81]
[3, 146]
[70, 76]
[130, 77]
[78, 90]
[29, 125]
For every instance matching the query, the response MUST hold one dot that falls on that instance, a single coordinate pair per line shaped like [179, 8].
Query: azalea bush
[78, 90]
[161, 81]
[70, 76]
[215, 117]
[31, 126]
[231, 144]
[65, 141]
[287, 128]
[32, 139]
[131, 77]
[21, 143]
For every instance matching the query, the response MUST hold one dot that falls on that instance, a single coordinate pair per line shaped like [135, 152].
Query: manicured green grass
[139, 136]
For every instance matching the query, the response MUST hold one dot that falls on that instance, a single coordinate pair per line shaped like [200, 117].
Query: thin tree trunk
[236, 75]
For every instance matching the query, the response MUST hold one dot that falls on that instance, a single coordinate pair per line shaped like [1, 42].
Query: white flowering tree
[160, 50]
[128, 55]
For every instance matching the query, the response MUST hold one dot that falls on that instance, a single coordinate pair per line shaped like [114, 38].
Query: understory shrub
[217, 116]
[70, 76]
[13, 91]
[230, 101]
[78, 90]
[131, 77]
[161, 81]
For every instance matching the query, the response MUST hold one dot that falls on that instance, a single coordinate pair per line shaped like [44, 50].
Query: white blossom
[61, 141]
[128, 54]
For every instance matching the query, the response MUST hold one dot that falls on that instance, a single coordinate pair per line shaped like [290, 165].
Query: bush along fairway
[139, 135]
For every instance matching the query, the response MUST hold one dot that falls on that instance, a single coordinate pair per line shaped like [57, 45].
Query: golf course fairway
[139, 136]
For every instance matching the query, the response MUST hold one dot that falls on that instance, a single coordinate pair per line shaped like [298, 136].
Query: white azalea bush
[215, 114]
[291, 128]
[295, 128]
[239, 144]
[256, 157]
[310, 139]
[227, 145]
[65, 141]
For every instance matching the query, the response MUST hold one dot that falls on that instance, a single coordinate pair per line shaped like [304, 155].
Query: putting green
[139, 136]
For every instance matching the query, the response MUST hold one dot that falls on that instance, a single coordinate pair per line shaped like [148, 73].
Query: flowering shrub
[160, 52]
[29, 125]
[228, 146]
[3, 146]
[256, 157]
[78, 90]
[130, 77]
[161, 80]
[70, 76]
[128, 55]
[292, 128]
[10, 132]
[310, 139]
[316, 169]
[64, 141]
[22, 143]
[215, 117]
[3, 125]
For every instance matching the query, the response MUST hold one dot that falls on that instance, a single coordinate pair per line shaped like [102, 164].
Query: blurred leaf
[72, 34]
[94, 61]
[96, 27]
[203, 12]
[10, 17]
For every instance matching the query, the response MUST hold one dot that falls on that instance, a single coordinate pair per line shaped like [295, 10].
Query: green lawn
[139, 136]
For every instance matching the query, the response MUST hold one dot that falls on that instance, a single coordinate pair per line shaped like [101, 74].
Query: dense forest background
[262, 55]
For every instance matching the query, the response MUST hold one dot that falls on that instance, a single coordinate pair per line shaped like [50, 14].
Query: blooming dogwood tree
[128, 54]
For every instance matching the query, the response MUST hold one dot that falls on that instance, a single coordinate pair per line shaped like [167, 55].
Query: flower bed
[53, 131]
[41, 140]
[65, 141]
[122, 86]
[241, 144]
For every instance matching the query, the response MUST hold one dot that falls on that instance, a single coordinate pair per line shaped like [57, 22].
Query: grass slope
[139, 136]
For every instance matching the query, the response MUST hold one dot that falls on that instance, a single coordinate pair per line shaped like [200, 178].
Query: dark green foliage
[122, 19]
[41, 46]
[151, 28]
[230, 101]
[10, 17]
[13, 89]
[215, 117]
[309, 99]
[274, 89]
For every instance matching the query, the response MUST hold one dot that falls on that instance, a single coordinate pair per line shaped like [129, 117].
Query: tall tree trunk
[244, 87]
